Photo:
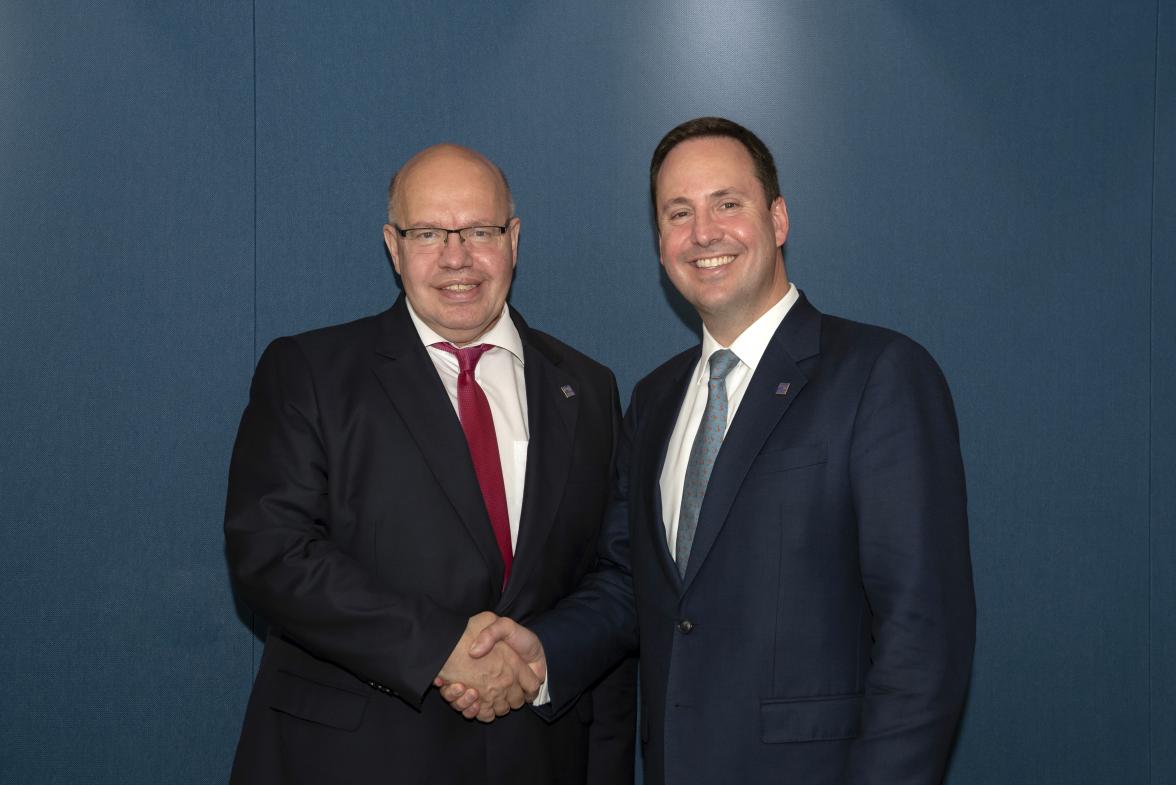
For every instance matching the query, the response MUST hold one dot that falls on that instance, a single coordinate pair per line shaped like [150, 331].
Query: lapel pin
[568, 391]
[782, 388]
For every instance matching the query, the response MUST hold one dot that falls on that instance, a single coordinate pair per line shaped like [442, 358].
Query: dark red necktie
[474, 412]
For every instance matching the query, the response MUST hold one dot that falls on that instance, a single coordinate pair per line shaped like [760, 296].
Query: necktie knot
[721, 363]
[468, 356]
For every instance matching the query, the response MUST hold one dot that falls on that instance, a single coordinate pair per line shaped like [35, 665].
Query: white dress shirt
[499, 373]
[749, 347]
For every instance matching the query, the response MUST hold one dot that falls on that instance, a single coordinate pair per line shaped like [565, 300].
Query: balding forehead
[447, 149]
[443, 152]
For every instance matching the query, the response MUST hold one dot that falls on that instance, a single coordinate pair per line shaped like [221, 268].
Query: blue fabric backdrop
[180, 183]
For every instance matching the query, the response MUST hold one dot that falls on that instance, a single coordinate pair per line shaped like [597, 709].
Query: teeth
[714, 261]
[459, 287]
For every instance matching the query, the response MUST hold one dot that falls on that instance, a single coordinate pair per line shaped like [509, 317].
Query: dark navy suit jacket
[823, 632]
[355, 525]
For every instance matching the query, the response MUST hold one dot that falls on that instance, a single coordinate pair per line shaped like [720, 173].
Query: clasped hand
[496, 666]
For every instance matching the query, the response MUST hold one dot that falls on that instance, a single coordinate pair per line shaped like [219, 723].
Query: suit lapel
[551, 422]
[659, 426]
[776, 383]
[410, 380]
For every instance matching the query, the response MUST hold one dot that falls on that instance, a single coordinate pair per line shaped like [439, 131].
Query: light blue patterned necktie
[706, 446]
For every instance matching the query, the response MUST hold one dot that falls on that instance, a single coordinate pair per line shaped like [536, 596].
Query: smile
[459, 287]
[713, 261]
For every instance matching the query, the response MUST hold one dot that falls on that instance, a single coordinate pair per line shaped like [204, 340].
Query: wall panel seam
[1151, 587]
[253, 23]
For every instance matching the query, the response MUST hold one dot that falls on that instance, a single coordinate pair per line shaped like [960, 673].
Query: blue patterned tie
[702, 454]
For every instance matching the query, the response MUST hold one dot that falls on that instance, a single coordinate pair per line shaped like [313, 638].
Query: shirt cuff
[544, 696]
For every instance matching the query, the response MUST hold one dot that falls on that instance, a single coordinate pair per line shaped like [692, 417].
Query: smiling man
[398, 481]
[788, 523]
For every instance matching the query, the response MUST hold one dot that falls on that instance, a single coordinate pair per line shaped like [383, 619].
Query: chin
[471, 327]
[712, 302]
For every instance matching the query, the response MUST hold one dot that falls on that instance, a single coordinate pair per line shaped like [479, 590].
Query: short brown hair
[761, 156]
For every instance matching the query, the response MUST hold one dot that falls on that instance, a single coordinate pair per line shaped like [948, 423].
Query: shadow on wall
[246, 615]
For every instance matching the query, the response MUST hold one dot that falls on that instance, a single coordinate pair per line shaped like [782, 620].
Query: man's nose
[453, 253]
[705, 229]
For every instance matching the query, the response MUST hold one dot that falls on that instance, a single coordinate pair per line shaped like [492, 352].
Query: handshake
[498, 665]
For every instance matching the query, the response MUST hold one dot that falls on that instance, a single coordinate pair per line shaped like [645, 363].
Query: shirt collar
[503, 334]
[751, 344]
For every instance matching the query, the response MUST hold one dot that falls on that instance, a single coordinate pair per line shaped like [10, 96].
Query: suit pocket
[810, 719]
[773, 461]
[310, 700]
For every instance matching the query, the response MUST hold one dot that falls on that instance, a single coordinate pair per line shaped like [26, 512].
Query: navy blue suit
[824, 629]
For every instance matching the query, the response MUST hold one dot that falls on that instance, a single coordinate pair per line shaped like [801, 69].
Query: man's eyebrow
[719, 194]
[677, 201]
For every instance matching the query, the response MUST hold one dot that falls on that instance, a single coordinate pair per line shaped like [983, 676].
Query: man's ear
[513, 230]
[390, 238]
[779, 212]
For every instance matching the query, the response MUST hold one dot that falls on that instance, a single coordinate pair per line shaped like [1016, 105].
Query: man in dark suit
[789, 520]
[399, 480]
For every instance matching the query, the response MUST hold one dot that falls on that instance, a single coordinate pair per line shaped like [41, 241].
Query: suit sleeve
[908, 491]
[595, 626]
[612, 733]
[282, 557]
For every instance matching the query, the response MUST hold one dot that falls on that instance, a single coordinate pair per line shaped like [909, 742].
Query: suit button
[685, 626]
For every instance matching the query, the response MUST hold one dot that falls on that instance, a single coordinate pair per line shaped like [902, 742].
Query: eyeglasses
[436, 237]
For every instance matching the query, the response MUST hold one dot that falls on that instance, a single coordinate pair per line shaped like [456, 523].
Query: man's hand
[503, 633]
[498, 678]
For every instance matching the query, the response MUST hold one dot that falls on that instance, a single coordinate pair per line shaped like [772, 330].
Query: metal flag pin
[568, 391]
[782, 388]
